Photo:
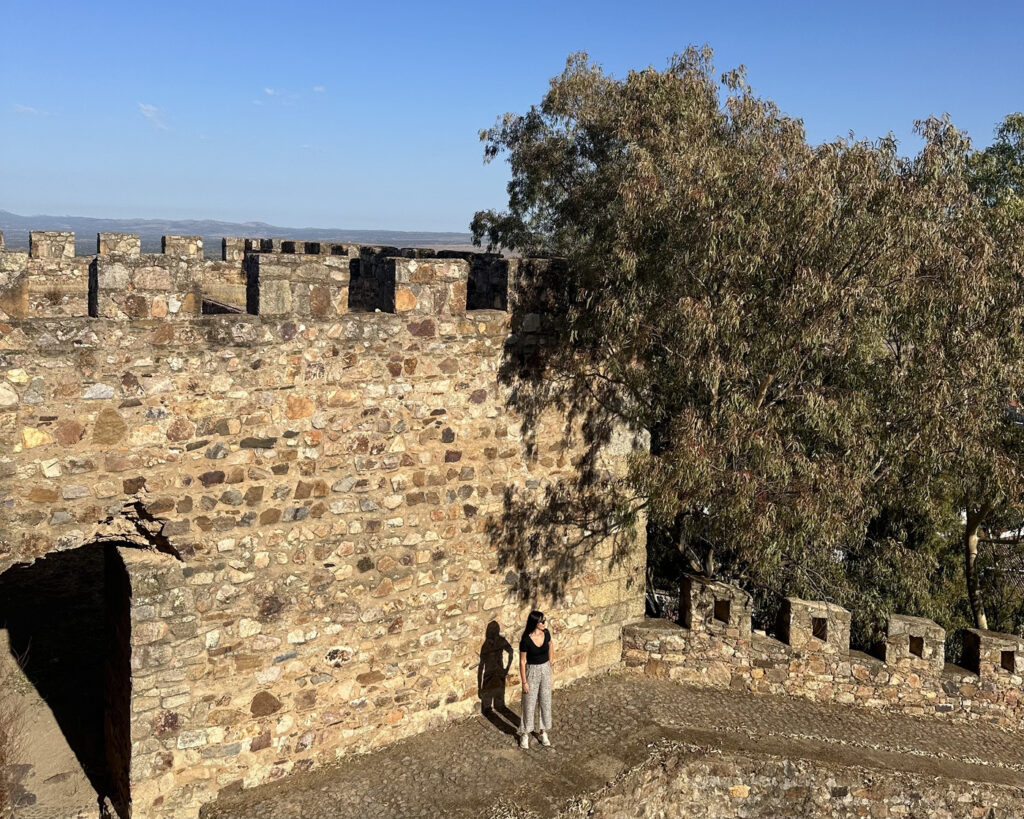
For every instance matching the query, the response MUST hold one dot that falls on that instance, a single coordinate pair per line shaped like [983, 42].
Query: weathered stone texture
[328, 479]
[127, 244]
[915, 642]
[822, 667]
[714, 607]
[701, 781]
[814, 625]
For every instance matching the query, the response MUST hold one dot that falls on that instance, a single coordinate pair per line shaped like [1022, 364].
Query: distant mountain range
[15, 229]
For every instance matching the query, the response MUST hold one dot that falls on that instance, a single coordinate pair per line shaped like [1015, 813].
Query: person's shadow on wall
[491, 678]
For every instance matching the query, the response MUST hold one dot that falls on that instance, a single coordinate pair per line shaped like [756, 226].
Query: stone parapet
[988, 688]
[814, 626]
[127, 244]
[709, 780]
[312, 281]
[301, 246]
[915, 642]
[149, 286]
[232, 249]
[994, 656]
[714, 608]
[182, 246]
[311, 287]
[51, 244]
[430, 286]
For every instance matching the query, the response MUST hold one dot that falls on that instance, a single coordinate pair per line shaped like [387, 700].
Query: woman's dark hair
[532, 620]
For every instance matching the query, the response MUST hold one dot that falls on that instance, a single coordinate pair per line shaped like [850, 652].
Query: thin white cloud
[257, 102]
[319, 89]
[29, 111]
[270, 92]
[154, 115]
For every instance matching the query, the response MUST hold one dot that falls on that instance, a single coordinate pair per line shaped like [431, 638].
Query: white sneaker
[524, 742]
[544, 739]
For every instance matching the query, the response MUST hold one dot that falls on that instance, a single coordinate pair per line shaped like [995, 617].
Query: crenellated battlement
[51, 244]
[810, 656]
[276, 278]
[126, 244]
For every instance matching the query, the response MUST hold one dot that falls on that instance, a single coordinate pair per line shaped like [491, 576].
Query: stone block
[431, 286]
[992, 655]
[296, 246]
[127, 244]
[51, 244]
[915, 641]
[814, 626]
[605, 656]
[182, 245]
[487, 287]
[605, 594]
[714, 607]
[232, 249]
[430, 271]
[125, 286]
[305, 285]
[607, 634]
[275, 298]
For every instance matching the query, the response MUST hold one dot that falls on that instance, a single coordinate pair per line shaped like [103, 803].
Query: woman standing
[535, 672]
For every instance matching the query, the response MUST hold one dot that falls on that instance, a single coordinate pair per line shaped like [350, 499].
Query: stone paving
[603, 727]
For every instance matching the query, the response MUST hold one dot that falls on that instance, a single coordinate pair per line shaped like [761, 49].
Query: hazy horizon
[368, 116]
[15, 229]
[256, 223]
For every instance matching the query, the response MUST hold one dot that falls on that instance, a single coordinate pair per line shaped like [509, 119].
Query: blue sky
[365, 115]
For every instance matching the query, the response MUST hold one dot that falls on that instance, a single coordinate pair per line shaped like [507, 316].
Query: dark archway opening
[69, 625]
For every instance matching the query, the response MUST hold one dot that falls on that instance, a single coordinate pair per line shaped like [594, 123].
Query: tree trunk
[974, 521]
[709, 562]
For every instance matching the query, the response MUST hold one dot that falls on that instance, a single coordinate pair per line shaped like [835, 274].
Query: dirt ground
[49, 780]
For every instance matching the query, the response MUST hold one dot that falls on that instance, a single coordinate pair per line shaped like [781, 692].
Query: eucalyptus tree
[726, 289]
[811, 333]
[957, 357]
[997, 172]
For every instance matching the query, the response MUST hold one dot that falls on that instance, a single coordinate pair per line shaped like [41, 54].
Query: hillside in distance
[16, 228]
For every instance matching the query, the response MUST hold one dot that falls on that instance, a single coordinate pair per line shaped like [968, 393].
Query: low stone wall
[715, 646]
[696, 781]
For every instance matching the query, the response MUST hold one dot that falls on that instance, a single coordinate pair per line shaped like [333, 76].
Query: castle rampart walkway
[610, 724]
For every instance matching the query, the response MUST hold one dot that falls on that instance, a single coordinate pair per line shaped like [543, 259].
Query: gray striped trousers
[538, 677]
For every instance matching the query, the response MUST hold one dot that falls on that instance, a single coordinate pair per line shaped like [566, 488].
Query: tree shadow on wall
[578, 502]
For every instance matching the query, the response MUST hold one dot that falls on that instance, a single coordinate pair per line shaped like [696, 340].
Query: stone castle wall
[304, 492]
[714, 645]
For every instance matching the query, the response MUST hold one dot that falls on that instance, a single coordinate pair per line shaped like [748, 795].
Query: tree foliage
[822, 340]
[997, 173]
[956, 356]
